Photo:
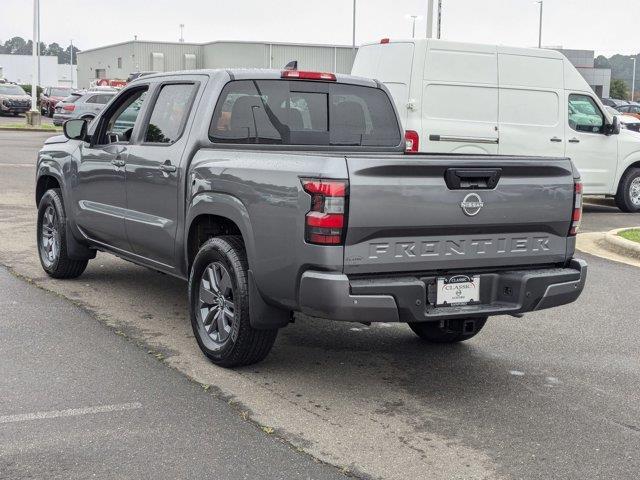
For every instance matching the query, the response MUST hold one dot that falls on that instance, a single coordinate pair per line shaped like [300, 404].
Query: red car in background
[50, 96]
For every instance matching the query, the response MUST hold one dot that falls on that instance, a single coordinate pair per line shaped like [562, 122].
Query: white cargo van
[487, 99]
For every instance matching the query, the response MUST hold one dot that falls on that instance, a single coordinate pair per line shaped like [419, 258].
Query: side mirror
[615, 126]
[75, 129]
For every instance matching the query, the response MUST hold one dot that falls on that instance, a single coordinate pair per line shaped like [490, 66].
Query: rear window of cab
[284, 112]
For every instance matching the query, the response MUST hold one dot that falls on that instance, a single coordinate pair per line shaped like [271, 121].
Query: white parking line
[72, 412]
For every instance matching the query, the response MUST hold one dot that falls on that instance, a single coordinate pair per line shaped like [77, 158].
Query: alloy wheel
[216, 309]
[50, 236]
[634, 191]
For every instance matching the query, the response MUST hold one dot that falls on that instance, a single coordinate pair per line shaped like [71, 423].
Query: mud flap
[261, 315]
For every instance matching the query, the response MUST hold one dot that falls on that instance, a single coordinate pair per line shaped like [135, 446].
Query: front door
[592, 151]
[154, 174]
[100, 192]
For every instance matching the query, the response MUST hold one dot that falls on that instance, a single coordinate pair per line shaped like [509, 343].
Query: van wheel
[219, 305]
[448, 331]
[628, 196]
[52, 238]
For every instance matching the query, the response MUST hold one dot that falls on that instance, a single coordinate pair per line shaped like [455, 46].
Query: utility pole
[353, 39]
[540, 28]
[430, 19]
[71, 53]
[182, 33]
[439, 20]
[633, 82]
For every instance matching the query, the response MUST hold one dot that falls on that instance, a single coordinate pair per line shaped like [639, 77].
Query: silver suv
[82, 105]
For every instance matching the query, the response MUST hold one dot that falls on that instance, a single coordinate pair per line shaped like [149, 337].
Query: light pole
[413, 27]
[540, 27]
[430, 19]
[182, 33]
[71, 61]
[353, 38]
[33, 117]
[439, 21]
[633, 81]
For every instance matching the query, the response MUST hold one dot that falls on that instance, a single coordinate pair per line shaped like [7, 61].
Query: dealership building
[119, 60]
[19, 69]
[599, 79]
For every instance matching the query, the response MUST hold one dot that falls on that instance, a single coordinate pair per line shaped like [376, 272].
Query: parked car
[50, 96]
[486, 99]
[632, 109]
[627, 121]
[81, 105]
[304, 201]
[614, 102]
[13, 99]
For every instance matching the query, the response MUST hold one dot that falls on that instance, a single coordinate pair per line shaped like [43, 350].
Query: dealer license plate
[458, 290]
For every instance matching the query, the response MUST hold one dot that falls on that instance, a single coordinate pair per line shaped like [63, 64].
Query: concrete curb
[620, 245]
[14, 129]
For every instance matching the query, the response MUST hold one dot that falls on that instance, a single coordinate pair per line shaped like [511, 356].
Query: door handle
[574, 140]
[118, 163]
[167, 167]
[556, 139]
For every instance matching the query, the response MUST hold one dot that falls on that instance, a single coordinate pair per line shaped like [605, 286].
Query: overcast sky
[608, 27]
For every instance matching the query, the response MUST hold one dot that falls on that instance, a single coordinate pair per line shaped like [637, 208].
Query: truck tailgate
[406, 213]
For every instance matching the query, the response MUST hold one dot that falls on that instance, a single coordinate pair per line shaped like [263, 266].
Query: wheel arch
[46, 182]
[212, 214]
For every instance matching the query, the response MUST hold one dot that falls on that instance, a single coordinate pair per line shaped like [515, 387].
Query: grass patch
[24, 126]
[633, 234]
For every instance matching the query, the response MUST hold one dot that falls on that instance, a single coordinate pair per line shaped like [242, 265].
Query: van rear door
[460, 99]
[531, 105]
[391, 64]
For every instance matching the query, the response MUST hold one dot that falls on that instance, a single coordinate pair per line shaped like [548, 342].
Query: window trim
[604, 117]
[284, 147]
[152, 105]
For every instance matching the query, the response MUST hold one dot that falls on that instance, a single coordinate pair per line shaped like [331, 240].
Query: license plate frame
[457, 290]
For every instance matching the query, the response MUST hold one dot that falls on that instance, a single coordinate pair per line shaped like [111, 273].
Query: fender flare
[630, 161]
[263, 315]
[75, 249]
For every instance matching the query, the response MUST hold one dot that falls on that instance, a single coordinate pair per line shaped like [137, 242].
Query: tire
[628, 196]
[52, 238]
[50, 112]
[222, 327]
[448, 331]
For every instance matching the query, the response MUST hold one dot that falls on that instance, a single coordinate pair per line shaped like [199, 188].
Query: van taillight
[412, 141]
[576, 216]
[325, 221]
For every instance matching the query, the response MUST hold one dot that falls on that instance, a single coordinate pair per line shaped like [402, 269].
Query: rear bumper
[59, 119]
[411, 298]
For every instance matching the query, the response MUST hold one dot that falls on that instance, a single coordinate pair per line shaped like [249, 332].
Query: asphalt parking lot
[551, 395]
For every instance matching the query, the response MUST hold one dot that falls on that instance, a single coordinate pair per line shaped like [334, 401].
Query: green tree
[619, 89]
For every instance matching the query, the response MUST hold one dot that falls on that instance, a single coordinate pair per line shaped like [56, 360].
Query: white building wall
[67, 76]
[19, 69]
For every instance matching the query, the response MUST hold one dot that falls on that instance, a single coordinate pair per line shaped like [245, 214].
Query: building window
[119, 62]
[101, 73]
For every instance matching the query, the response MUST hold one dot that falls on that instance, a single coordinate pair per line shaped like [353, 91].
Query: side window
[119, 121]
[584, 114]
[92, 99]
[169, 113]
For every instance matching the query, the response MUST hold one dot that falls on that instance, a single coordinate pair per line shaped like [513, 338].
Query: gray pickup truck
[275, 193]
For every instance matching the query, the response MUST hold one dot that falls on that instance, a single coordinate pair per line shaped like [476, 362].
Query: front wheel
[628, 196]
[52, 238]
[448, 331]
[219, 305]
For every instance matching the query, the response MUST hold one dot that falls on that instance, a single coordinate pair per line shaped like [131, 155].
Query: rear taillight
[69, 107]
[384, 41]
[325, 221]
[576, 216]
[411, 141]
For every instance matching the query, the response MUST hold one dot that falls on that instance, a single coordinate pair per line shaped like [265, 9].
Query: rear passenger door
[154, 172]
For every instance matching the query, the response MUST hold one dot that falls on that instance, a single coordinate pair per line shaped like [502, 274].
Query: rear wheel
[219, 305]
[448, 331]
[52, 238]
[628, 196]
